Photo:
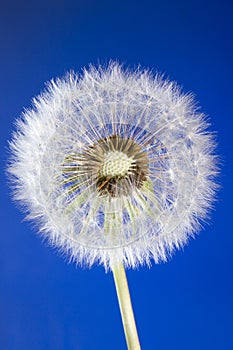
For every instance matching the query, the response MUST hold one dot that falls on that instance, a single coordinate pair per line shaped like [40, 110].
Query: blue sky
[187, 303]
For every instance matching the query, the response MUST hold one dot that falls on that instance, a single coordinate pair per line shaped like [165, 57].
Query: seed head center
[116, 163]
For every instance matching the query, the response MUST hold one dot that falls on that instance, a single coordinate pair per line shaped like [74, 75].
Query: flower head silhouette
[114, 165]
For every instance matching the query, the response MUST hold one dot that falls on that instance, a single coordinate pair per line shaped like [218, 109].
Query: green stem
[126, 309]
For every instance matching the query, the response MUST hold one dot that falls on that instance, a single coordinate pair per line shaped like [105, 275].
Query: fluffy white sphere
[114, 165]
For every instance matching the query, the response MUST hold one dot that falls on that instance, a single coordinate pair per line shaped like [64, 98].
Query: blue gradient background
[47, 304]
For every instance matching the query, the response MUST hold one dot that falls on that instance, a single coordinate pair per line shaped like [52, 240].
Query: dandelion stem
[126, 309]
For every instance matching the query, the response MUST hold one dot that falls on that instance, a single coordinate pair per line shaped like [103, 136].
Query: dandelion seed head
[114, 165]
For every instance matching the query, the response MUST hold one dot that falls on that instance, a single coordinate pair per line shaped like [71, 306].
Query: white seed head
[114, 165]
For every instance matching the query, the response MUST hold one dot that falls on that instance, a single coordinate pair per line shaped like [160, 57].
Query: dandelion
[117, 168]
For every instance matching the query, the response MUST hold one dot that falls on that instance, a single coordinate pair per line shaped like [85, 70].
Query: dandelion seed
[116, 167]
